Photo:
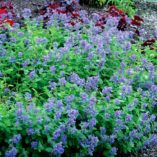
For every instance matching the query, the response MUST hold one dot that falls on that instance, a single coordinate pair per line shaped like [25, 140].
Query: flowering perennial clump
[79, 89]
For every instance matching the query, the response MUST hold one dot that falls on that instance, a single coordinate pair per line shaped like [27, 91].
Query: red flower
[10, 22]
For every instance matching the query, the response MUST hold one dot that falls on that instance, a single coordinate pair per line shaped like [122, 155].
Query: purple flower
[118, 113]
[95, 17]
[112, 139]
[92, 123]
[19, 113]
[144, 62]
[6, 90]
[11, 153]
[112, 22]
[3, 37]
[12, 59]
[32, 74]
[47, 128]
[26, 13]
[20, 54]
[26, 120]
[74, 78]
[147, 128]
[155, 32]
[72, 113]
[133, 57]
[117, 101]
[104, 137]
[30, 131]
[58, 114]
[84, 97]
[103, 130]
[25, 63]
[48, 106]
[57, 133]
[152, 141]
[3, 52]
[41, 40]
[62, 81]
[34, 144]
[62, 73]
[90, 144]
[52, 85]
[1, 74]
[26, 42]
[133, 134]
[58, 149]
[46, 58]
[92, 101]
[92, 83]
[126, 90]
[128, 118]
[145, 116]
[144, 105]
[59, 104]
[20, 34]
[146, 85]
[16, 138]
[113, 151]
[152, 118]
[107, 116]
[28, 96]
[107, 90]
[64, 138]
[52, 69]
[127, 46]
[69, 99]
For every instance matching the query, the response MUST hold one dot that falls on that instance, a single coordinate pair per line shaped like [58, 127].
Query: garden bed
[76, 83]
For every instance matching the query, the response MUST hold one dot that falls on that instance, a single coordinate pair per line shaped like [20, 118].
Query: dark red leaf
[137, 23]
[149, 42]
[137, 18]
[54, 5]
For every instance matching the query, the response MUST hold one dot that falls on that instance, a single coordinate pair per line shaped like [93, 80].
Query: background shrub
[126, 5]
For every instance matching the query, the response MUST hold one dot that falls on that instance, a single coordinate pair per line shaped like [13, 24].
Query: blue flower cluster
[82, 90]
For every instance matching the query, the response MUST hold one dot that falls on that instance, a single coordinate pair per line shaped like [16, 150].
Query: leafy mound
[80, 89]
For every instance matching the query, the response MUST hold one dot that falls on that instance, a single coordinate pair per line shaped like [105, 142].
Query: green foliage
[37, 99]
[125, 5]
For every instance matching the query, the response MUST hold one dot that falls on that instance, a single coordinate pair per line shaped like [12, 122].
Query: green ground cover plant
[75, 90]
